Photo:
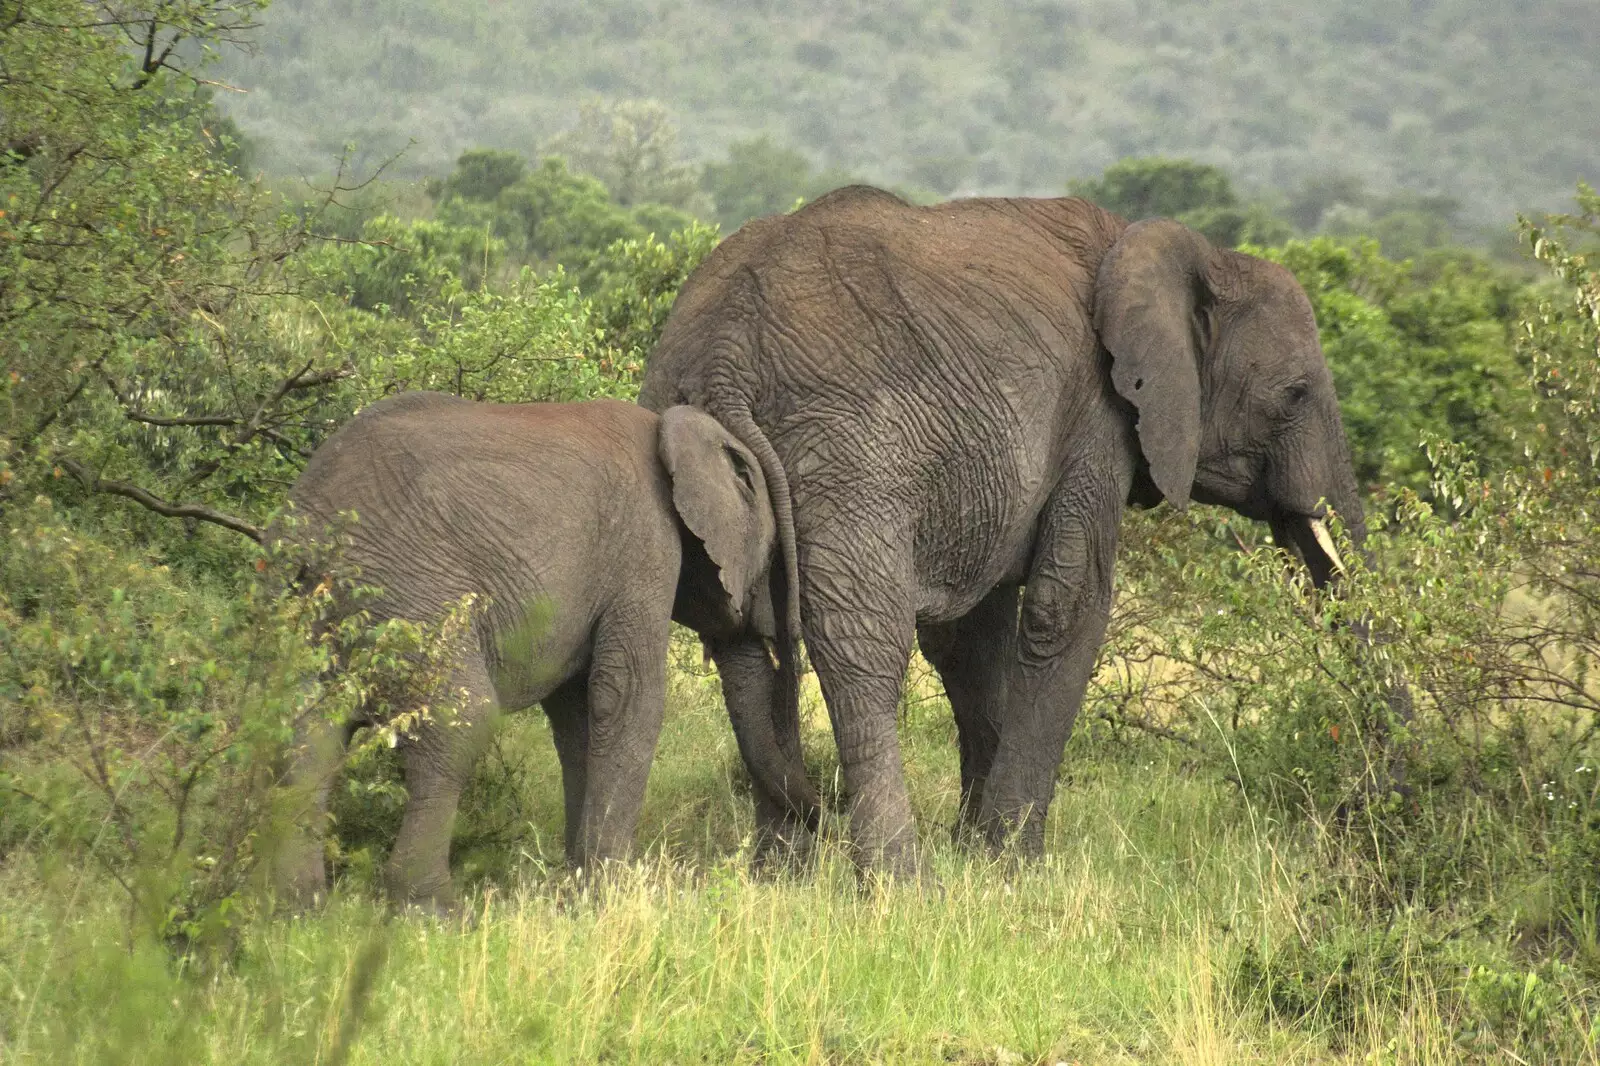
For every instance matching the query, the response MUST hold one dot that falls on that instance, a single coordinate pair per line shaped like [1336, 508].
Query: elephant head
[1218, 353]
[726, 592]
[721, 497]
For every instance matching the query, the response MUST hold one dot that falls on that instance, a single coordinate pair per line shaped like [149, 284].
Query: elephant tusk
[1324, 539]
[772, 652]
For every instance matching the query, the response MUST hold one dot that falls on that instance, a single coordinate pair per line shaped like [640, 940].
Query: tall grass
[1126, 944]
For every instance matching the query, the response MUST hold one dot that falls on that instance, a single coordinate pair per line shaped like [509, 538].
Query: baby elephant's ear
[721, 496]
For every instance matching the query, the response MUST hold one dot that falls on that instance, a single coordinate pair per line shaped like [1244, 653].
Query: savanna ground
[1154, 930]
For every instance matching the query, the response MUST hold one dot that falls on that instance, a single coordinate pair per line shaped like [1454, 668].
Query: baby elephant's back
[514, 502]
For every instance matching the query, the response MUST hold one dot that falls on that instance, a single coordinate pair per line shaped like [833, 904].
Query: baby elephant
[583, 529]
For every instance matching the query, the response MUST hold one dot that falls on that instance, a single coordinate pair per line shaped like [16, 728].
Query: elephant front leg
[627, 689]
[439, 757]
[763, 704]
[299, 872]
[568, 710]
[1065, 608]
[971, 654]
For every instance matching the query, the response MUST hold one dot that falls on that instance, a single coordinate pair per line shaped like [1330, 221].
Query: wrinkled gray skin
[953, 405]
[583, 529]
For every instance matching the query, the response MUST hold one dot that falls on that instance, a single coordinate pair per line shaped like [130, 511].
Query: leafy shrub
[1338, 972]
[1431, 723]
[172, 706]
[404, 266]
[547, 216]
[639, 282]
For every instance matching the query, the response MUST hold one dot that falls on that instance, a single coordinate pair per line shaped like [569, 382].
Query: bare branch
[202, 420]
[199, 512]
[324, 377]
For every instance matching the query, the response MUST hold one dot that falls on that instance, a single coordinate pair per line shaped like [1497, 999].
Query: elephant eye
[1296, 394]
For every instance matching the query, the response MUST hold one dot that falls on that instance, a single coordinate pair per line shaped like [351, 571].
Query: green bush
[1431, 722]
[1196, 194]
[1340, 972]
[160, 711]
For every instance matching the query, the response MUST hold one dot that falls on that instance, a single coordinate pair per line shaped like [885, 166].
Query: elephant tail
[740, 423]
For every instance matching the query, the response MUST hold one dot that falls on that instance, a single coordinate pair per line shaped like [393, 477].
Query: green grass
[1123, 945]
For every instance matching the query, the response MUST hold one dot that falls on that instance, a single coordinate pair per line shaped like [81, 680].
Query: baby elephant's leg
[568, 710]
[627, 689]
[299, 872]
[439, 757]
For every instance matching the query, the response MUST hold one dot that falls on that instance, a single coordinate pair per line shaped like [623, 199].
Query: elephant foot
[1019, 835]
[595, 885]
[900, 863]
[596, 865]
[450, 912]
[967, 831]
[433, 894]
[915, 875]
[300, 879]
[784, 841]
[786, 850]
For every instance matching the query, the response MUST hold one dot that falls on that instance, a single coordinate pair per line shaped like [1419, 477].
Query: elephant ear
[718, 491]
[1149, 293]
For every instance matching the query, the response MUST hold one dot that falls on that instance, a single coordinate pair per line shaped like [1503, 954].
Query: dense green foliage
[1195, 194]
[177, 343]
[1309, 825]
[1417, 348]
[1488, 103]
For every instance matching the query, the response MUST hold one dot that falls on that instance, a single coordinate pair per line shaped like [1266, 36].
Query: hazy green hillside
[1493, 102]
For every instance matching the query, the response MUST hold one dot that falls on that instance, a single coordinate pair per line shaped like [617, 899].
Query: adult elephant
[953, 405]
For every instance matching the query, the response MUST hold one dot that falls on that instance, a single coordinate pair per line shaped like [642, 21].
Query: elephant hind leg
[439, 757]
[971, 654]
[568, 710]
[859, 624]
[1065, 608]
[627, 689]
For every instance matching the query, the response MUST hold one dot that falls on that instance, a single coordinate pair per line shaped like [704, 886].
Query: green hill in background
[1493, 102]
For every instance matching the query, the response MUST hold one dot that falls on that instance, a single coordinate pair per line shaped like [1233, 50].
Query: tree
[1196, 194]
[545, 216]
[761, 178]
[632, 147]
[130, 250]
[480, 174]
[1156, 187]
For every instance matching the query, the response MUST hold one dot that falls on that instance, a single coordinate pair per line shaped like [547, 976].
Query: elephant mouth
[1306, 534]
[1324, 540]
[1302, 530]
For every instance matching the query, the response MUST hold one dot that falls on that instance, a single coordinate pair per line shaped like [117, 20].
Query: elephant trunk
[1312, 540]
[763, 704]
[739, 422]
[769, 730]
[1318, 483]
